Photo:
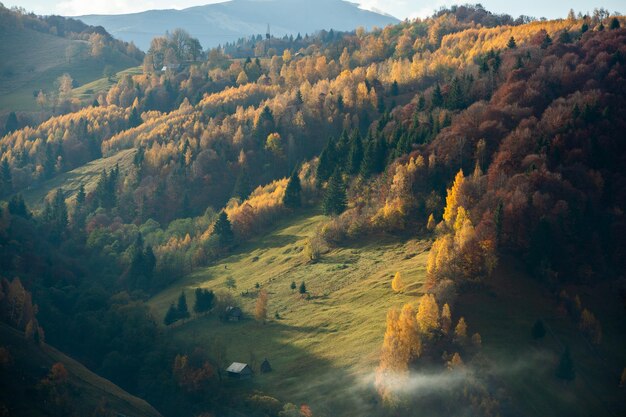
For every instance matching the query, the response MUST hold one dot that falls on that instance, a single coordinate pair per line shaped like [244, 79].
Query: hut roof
[237, 367]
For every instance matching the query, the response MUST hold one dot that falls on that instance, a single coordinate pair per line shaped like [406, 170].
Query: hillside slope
[87, 391]
[321, 343]
[38, 59]
[215, 24]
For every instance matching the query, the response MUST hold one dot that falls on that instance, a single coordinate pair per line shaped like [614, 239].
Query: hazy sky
[399, 8]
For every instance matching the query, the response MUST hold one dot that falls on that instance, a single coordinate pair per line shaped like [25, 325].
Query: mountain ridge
[218, 23]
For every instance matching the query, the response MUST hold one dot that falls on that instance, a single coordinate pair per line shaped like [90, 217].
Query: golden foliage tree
[260, 309]
[397, 284]
[393, 367]
[460, 331]
[453, 199]
[427, 314]
[446, 319]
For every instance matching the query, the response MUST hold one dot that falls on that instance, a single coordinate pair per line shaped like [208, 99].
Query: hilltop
[215, 24]
[40, 52]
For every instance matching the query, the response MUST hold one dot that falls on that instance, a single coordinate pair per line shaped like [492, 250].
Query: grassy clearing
[319, 346]
[70, 181]
[504, 316]
[91, 90]
[324, 349]
[35, 60]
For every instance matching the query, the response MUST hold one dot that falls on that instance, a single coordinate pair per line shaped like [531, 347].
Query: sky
[399, 8]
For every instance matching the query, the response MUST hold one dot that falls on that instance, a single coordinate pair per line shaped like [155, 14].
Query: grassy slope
[504, 316]
[87, 175]
[35, 60]
[92, 89]
[29, 362]
[324, 349]
[319, 346]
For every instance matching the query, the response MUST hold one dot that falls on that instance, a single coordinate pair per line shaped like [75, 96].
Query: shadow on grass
[297, 376]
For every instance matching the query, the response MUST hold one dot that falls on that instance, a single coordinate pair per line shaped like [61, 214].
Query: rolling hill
[87, 390]
[215, 24]
[321, 344]
[39, 58]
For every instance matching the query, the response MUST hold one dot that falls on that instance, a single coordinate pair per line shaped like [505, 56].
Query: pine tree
[395, 90]
[547, 41]
[242, 188]
[292, 198]
[335, 198]
[149, 262]
[355, 157]
[12, 124]
[59, 219]
[368, 166]
[614, 24]
[437, 98]
[223, 229]
[293, 285]
[511, 44]
[204, 300]
[397, 284]
[326, 164]
[182, 312]
[134, 119]
[171, 316]
[302, 288]
[6, 179]
[565, 369]
[17, 206]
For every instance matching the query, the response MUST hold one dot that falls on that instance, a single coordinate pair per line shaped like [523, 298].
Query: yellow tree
[446, 319]
[427, 314]
[393, 367]
[260, 310]
[431, 223]
[453, 199]
[460, 331]
[397, 284]
[409, 333]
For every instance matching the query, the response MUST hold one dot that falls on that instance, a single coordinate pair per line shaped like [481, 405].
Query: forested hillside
[46, 57]
[452, 166]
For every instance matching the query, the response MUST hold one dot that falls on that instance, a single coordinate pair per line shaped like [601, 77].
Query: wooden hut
[238, 370]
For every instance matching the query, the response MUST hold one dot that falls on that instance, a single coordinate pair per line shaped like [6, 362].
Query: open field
[70, 181]
[323, 347]
[38, 59]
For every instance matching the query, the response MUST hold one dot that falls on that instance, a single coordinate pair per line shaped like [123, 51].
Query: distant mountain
[215, 24]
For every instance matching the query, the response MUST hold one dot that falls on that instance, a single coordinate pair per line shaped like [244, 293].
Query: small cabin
[233, 313]
[238, 370]
[265, 367]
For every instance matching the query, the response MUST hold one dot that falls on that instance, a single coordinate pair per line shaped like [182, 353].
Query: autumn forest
[421, 219]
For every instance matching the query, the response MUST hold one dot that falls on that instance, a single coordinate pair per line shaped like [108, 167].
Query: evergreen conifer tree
[511, 44]
[171, 315]
[182, 311]
[292, 198]
[335, 197]
[223, 229]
